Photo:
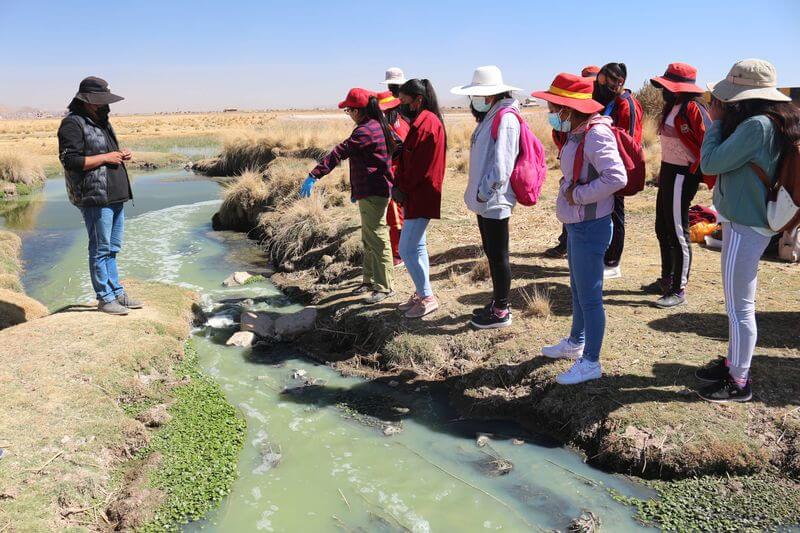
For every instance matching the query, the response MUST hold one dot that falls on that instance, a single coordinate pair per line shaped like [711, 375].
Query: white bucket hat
[749, 79]
[486, 81]
[394, 76]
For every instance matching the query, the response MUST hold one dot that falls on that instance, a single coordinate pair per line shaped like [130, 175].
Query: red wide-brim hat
[357, 98]
[387, 101]
[571, 91]
[679, 78]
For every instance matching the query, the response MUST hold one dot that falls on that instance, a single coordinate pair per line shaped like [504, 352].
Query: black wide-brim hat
[93, 90]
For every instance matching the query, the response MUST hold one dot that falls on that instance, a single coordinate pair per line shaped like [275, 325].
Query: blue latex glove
[308, 184]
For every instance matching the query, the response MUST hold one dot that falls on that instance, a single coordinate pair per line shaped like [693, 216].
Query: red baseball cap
[357, 98]
[590, 71]
[679, 78]
[386, 100]
[571, 91]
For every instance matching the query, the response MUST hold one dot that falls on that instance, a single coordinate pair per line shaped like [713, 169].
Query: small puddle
[323, 452]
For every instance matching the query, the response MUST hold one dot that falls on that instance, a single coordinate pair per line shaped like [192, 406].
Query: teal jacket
[739, 195]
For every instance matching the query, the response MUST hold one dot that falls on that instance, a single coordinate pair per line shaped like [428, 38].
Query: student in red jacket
[418, 188]
[626, 112]
[683, 125]
[389, 104]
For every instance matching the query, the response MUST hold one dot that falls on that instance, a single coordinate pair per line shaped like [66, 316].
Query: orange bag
[698, 232]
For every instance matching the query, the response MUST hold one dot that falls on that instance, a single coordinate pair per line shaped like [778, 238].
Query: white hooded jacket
[491, 163]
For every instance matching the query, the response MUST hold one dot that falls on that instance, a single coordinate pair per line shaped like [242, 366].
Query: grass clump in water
[200, 449]
[747, 503]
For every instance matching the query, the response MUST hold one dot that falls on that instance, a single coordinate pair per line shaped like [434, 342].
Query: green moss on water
[746, 503]
[199, 447]
[254, 279]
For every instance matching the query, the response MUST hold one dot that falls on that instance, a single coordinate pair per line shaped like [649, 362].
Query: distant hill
[26, 112]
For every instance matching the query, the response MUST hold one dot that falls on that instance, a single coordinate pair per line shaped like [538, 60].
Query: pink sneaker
[424, 306]
[410, 303]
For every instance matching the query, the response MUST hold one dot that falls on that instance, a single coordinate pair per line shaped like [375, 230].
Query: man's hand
[113, 158]
[126, 154]
[398, 195]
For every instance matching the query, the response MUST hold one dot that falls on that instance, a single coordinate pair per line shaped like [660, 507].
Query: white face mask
[479, 104]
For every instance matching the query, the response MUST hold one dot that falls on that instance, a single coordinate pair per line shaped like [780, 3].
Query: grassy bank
[643, 418]
[81, 415]
[19, 176]
[15, 306]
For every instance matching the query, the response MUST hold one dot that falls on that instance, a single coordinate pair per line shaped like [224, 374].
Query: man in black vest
[98, 184]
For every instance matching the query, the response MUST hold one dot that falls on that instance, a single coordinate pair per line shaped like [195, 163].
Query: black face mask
[669, 97]
[394, 89]
[406, 111]
[603, 94]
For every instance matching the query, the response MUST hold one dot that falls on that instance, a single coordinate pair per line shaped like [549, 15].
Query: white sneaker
[565, 349]
[581, 371]
[612, 272]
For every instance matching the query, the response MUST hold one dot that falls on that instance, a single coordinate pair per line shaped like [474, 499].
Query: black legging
[494, 236]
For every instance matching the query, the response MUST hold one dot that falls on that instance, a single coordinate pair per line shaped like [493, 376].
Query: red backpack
[530, 169]
[632, 156]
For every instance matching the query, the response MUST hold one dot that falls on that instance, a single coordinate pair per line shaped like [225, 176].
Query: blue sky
[181, 55]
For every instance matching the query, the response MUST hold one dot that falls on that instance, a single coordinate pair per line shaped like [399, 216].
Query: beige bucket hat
[747, 80]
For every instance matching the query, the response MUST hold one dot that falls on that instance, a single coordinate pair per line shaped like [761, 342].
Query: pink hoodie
[602, 175]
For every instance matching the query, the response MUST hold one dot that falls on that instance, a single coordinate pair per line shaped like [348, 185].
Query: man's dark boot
[112, 308]
[127, 301]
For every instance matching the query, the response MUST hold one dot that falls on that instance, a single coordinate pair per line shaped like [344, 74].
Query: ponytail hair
[373, 111]
[423, 87]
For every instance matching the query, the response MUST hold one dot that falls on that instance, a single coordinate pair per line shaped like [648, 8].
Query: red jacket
[421, 170]
[626, 112]
[690, 124]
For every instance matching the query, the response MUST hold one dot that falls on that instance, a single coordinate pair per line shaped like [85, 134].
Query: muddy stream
[323, 452]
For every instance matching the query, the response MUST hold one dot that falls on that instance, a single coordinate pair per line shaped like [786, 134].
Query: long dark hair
[373, 111]
[784, 115]
[423, 87]
[77, 106]
[391, 115]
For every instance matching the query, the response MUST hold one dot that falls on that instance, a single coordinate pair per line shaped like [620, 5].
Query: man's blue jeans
[105, 226]
[586, 247]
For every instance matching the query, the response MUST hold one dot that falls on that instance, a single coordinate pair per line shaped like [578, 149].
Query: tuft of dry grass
[19, 175]
[480, 271]
[536, 302]
[298, 228]
[242, 201]
[414, 351]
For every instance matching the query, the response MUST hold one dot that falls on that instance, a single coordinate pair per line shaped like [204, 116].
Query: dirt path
[70, 384]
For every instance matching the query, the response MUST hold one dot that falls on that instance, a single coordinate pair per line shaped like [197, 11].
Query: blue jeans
[587, 243]
[105, 226]
[414, 253]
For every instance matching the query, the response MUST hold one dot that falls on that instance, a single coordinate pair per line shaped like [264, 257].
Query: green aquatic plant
[742, 503]
[199, 447]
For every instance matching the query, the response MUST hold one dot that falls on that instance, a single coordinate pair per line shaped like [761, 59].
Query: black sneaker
[378, 296]
[491, 320]
[556, 252]
[726, 391]
[659, 287]
[361, 289]
[485, 310]
[671, 300]
[713, 372]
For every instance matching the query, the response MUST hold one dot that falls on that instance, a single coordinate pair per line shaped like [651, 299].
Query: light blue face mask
[479, 104]
[557, 124]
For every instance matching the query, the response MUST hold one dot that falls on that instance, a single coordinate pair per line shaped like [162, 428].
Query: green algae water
[323, 452]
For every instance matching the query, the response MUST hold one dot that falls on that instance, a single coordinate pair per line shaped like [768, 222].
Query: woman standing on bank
[753, 124]
[369, 150]
[418, 188]
[489, 194]
[683, 126]
[585, 203]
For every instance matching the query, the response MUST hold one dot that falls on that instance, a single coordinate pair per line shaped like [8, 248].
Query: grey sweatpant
[741, 251]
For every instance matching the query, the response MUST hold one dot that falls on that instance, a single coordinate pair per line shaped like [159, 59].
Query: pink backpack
[530, 170]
